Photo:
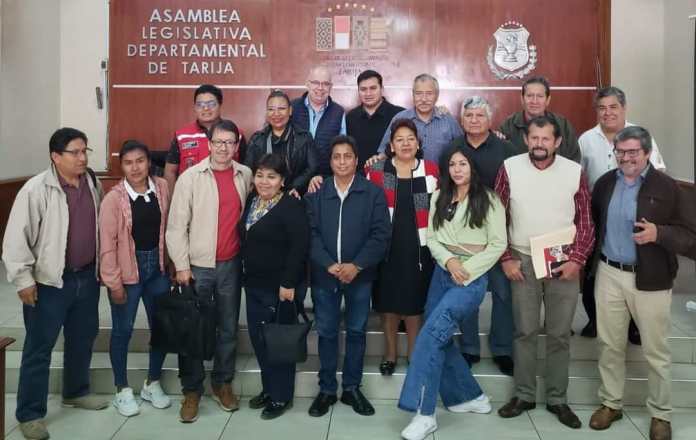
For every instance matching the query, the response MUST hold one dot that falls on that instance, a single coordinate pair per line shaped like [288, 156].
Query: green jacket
[514, 126]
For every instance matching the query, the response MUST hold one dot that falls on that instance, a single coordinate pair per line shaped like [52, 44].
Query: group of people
[407, 211]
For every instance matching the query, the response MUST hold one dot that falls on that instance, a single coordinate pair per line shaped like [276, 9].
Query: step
[683, 348]
[583, 383]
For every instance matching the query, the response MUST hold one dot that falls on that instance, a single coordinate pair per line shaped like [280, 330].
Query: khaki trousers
[616, 296]
[560, 299]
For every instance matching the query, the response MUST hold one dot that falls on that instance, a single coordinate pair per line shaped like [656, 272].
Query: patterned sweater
[425, 179]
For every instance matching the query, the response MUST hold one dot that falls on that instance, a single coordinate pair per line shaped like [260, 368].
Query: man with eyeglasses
[640, 229]
[598, 157]
[50, 251]
[204, 244]
[436, 128]
[318, 114]
[190, 143]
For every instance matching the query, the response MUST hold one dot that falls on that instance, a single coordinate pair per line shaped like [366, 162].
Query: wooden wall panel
[448, 38]
[8, 192]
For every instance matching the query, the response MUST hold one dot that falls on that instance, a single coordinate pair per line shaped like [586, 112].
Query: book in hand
[551, 250]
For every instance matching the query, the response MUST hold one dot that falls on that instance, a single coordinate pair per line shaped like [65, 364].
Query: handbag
[185, 323]
[286, 343]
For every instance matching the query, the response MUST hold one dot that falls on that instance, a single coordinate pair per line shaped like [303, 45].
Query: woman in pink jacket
[132, 221]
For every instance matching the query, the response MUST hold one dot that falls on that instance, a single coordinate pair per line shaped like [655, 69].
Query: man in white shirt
[597, 148]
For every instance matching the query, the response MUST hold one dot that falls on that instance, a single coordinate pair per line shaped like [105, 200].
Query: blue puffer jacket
[365, 230]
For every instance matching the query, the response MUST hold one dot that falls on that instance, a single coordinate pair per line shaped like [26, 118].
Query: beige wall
[50, 53]
[652, 61]
[29, 84]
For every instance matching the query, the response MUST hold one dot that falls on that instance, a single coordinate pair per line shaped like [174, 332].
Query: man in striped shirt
[436, 128]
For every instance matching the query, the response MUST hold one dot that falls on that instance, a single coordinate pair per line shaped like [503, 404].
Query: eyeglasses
[78, 153]
[322, 84]
[206, 105]
[219, 144]
[630, 153]
[421, 94]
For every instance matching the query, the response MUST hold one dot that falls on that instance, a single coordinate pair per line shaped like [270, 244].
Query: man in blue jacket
[350, 236]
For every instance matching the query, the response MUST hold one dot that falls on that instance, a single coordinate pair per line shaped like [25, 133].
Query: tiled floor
[340, 424]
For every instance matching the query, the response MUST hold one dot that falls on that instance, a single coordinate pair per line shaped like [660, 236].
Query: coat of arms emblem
[512, 56]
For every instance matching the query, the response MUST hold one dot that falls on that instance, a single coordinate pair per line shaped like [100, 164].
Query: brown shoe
[515, 407]
[225, 398]
[189, 407]
[604, 417]
[660, 429]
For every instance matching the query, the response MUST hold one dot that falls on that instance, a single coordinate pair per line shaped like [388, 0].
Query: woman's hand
[286, 294]
[457, 272]
[118, 295]
[374, 159]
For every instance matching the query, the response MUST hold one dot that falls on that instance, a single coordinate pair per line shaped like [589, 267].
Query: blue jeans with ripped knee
[436, 364]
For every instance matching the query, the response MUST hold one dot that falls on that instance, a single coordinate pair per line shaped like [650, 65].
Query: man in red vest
[190, 143]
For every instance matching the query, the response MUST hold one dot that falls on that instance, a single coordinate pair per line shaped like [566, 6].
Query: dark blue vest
[329, 126]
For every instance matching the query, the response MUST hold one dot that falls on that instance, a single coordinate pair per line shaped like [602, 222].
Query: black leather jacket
[296, 145]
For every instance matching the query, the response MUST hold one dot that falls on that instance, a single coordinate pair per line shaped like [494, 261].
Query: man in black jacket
[640, 229]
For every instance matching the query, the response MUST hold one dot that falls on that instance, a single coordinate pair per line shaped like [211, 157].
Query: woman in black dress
[408, 182]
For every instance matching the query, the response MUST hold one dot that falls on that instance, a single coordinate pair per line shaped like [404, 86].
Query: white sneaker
[154, 394]
[125, 403]
[420, 427]
[479, 405]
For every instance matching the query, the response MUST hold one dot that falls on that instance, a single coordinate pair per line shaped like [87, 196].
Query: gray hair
[427, 77]
[606, 92]
[477, 102]
[635, 132]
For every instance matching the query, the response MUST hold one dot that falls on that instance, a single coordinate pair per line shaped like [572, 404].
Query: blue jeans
[152, 284]
[327, 314]
[502, 325]
[75, 308]
[278, 381]
[222, 282]
[435, 363]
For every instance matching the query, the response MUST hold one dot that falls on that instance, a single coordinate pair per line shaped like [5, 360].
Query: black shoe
[565, 415]
[386, 368]
[471, 359]
[358, 401]
[260, 401]
[321, 404]
[505, 364]
[275, 409]
[515, 407]
[590, 330]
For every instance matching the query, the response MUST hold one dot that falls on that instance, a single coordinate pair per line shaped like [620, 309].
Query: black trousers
[278, 381]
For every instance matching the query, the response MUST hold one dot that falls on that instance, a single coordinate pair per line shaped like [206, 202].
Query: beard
[539, 154]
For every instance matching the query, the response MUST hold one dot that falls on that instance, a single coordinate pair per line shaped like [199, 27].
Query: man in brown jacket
[639, 232]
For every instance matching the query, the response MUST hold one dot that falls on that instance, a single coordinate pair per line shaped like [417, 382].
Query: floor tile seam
[633, 422]
[328, 428]
[531, 420]
[120, 427]
[224, 428]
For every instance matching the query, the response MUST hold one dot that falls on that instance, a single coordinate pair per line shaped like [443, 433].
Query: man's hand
[29, 295]
[513, 270]
[334, 269]
[570, 270]
[118, 296]
[286, 294]
[374, 159]
[347, 273]
[457, 272]
[648, 233]
[184, 277]
[314, 184]
[293, 192]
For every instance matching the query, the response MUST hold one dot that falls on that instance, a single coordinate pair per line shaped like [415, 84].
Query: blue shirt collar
[309, 106]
